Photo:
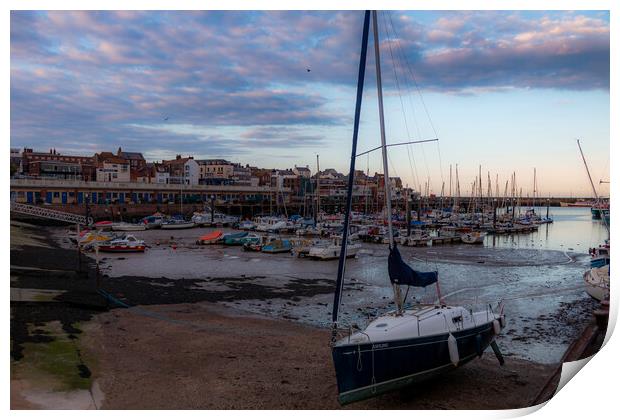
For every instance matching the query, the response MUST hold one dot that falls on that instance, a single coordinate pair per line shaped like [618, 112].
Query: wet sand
[223, 340]
[222, 359]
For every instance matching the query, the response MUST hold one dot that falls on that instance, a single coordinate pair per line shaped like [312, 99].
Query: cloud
[100, 77]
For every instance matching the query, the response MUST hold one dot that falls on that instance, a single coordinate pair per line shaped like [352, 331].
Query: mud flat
[213, 328]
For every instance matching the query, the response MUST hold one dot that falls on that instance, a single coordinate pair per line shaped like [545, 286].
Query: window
[115, 175]
[56, 194]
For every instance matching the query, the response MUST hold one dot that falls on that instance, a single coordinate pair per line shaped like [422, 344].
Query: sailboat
[403, 346]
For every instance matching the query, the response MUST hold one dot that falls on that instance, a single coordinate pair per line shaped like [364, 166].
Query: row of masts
[476, 197]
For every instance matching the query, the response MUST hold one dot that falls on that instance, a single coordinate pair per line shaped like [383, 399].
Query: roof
[109, 157]
[213, 162]
[176, 161]
[132, 155]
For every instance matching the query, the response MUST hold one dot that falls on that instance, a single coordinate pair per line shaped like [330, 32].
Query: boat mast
[347, 212]
[588, 171]
[318, 191]
[386, 176]
[591, 182]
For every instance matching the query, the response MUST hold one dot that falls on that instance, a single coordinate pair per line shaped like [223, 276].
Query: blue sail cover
[401, 273]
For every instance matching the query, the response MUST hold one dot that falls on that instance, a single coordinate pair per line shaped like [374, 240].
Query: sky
[507, 91]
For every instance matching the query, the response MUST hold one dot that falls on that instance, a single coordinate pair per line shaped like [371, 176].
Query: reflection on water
[572, 230]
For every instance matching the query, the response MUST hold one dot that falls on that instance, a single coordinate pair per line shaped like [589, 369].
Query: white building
[110, 168]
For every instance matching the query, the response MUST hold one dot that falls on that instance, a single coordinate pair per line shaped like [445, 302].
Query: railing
[76, 184]
[48, 213]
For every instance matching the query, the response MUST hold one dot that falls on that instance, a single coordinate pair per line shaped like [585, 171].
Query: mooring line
[147, 313]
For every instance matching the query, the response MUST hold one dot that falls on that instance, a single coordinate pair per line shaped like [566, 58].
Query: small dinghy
[210, 238]
[232, 239]
[253, 243]
[128, 243]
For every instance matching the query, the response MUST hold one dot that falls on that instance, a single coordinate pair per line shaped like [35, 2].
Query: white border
[590, 395]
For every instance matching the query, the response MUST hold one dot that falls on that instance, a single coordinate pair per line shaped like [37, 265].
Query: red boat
[103, 225]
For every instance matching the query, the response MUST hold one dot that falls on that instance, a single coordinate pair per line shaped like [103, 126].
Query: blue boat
[276, 246]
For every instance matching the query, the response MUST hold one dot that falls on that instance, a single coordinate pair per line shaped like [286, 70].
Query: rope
[145, 312]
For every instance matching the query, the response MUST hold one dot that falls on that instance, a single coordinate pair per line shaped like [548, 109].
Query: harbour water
[572, 230]
[537, 275]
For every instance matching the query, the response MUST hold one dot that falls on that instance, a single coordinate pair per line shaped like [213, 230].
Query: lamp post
[212, 209]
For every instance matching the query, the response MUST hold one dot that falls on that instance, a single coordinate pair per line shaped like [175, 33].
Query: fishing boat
[415, 237]
[269, 224]
[232, 239]
[153, 221]
[597, 282]
[128, 243]
[302, 246]
[210, 238]
[402, 346]
[599, 255]
[330, 250]
[221, 219]
[177, 223]
[474, 237]
[128, 227]
[201, 219]
[274, 245]
[247, 225]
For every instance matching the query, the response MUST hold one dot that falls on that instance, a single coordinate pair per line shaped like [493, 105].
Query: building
[70, 192]
[87, 166]
[263, 176]
[183, 170]
[56, 169]
[16, 161]
[215, 168]
[144, 174]
[162, 175]
[111, 168]
[303, 171]
[136, 160]
[241, 175]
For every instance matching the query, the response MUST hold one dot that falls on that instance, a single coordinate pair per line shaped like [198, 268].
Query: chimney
[178, 157]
